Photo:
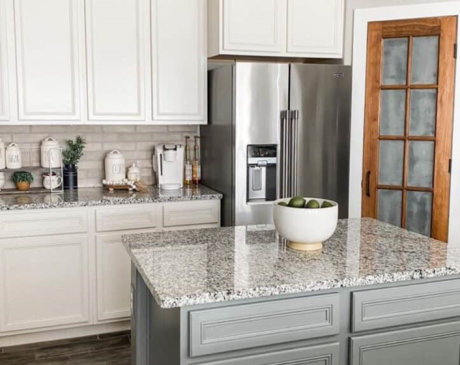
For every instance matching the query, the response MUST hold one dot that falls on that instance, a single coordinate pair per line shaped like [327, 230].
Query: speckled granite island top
[100, 197]
[214, 265]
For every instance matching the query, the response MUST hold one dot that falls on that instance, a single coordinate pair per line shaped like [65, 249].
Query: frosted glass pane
[425, 54]
[395, 61]
[418, 212]
[423, 112]
[392, 112]
[421, 164]
[390, 206]
[391, 163]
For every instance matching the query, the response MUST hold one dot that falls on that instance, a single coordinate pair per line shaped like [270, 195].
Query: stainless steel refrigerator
[276, 130]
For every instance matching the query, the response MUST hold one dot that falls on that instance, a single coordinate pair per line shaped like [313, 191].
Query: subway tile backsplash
[135, 142]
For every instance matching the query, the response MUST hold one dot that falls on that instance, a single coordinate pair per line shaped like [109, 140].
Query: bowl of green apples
[306, 222]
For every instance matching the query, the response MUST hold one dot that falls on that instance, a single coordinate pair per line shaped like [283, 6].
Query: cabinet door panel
[179, 60]
[115, 58]
[315, 28]
[4, 100]
[255, 25]
[48, 59]
[43, 282]
[113, 278]
[438, 344]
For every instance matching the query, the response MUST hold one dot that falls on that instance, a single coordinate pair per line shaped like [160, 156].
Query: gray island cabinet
[375, 295]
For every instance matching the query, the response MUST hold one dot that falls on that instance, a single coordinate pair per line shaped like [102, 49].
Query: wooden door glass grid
[409, 122]
[398, 135]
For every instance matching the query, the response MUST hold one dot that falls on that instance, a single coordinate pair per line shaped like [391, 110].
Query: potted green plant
[23, 180]
[71, 156]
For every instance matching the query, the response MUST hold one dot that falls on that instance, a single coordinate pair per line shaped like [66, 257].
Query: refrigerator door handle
[294, 148]
[288, 154]
[284, 178]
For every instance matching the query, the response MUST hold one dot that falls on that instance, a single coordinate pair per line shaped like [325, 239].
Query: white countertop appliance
[170, 166]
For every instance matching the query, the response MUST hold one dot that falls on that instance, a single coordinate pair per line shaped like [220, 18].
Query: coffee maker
[170, 166]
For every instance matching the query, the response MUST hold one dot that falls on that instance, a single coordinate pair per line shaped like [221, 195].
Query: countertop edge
[115, 201]
[267, 292]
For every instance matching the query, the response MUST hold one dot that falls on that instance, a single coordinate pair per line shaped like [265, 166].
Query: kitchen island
[376, 294]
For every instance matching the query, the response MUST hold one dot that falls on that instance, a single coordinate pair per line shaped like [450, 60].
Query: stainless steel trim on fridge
[303, 110]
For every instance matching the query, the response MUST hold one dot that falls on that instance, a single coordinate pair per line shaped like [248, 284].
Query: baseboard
[62, 334]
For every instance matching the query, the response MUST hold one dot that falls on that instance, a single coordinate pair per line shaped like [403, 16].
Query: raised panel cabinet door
[315, 28]
[438, 344]
[43, 282]
[4, 100]
[254, 26]
[48, 62]
[113, 268]
[179, 60]
[115, 38]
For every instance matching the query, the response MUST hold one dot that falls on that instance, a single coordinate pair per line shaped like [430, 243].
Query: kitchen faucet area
[229, 182]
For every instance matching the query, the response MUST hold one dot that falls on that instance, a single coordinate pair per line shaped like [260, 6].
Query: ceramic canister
[134, 173]
[51, 156]
[2, 155]
[2, 180]
[13, 156]
[115, 170]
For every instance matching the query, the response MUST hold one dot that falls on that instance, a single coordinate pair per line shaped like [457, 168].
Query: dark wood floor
[110, 349]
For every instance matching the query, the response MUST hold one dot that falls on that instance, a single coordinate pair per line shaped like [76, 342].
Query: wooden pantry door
[409, 122]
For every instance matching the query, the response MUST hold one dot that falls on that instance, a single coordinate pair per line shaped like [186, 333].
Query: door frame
[361, 19]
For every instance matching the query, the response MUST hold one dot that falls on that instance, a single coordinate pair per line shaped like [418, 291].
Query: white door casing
[179, 61]
[361, 19]
[48, 59]
[116, 50]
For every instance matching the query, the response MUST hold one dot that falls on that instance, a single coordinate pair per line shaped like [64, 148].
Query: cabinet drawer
[314, 355]
[43, 222]
[252, 325]
[382, 308]
[127, 217]
[430, 345]
[191, 213]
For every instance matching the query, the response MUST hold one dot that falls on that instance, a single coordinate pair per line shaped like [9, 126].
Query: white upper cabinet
[4, 100]
[115, 39]
[315, 28]
[179, 61]
[103, 61]
[255, 25]
[276, 28]
[48, 59]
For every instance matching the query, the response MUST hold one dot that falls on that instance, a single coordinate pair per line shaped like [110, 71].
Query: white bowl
[306, 229]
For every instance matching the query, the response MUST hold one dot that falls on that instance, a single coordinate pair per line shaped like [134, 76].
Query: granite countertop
[100, 197]
[223, 264]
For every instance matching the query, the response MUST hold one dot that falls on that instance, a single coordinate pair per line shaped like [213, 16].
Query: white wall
[351, 5]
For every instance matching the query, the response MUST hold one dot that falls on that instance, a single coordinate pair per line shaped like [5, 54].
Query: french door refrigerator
[276, 130]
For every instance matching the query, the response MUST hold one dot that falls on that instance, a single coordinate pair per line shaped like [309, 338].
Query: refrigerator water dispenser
[261, 167]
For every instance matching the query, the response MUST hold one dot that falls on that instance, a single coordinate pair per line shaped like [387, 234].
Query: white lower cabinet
[113, 278]
[43, 282]
[71, 270]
